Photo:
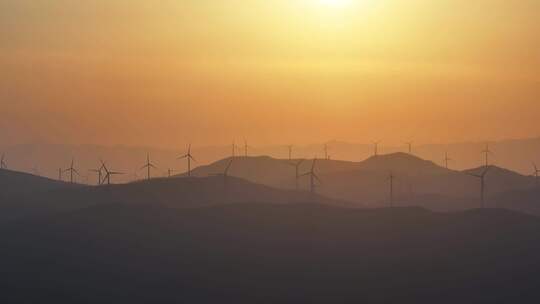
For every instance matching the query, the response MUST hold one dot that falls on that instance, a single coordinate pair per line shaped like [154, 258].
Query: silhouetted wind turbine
[376, 147]
[189, 158]
[409, 145]
[60, 174]
[446, 159]
[225, 173]
[296, 165]
[536, 172]
[313, 178]
[326, 156]
[169, 172]
[233, 149]
[99, 172]
[3, 164]
[290, 147]
[246, 148]
[487, 152]
[72, 170]
[482, 177]
[108, 174]
[148, 166]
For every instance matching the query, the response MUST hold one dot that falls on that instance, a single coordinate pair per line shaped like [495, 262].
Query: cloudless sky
[141, 72]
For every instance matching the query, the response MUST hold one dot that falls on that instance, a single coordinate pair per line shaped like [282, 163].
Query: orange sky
[162, 73]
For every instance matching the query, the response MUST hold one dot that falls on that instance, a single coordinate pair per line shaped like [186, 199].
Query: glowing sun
[335, 3]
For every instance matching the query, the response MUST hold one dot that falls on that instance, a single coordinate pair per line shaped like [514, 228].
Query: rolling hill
[172, 192]
[367, 181]
[267, 253]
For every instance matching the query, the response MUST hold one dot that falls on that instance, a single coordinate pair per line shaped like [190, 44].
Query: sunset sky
[141, 72]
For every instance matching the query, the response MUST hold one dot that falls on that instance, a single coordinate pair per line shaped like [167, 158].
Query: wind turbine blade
[192, 158]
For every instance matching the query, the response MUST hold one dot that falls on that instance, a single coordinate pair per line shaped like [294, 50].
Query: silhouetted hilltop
[271, 171]
[402, 164]
[416, 181]
[172, 192]
[500, 179]
[266, 253]
[13, 182]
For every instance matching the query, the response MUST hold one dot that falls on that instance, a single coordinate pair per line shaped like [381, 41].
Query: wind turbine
[225, 173]
[3, 164]
[60, 171]
[326, 156]
[392, 178]
[482, 177]
[72, 170]
[409, 145]
[446, 159]
[313, 178]
[189, 158]
[296, 165]
[99, 172]
[376, 147]
[108, 174]
[148, 166]
[487, 152]
[536, 172]
[169, 172]
[233, 149]
[290, 147]
[246, 148]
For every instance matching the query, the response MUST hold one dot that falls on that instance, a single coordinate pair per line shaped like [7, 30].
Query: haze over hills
[47, 198]
[265, 253]
[516, 155]
[368, 181]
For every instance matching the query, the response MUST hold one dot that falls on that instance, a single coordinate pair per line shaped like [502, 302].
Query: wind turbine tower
[290, 147]
[446, 160]
[148, 166]
[72, 170]
[482, 177]
[108, 174]
[313, 178]
[189, 157]
[487, 152]
[3, 164]
[296, 165]
[376, 148]
[225, 173]
[409, 145]
[536, 173]
[99, 172]
[326, 156]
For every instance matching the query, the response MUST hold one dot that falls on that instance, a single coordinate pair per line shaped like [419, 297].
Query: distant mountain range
[367, 182]
[45, 159]
[30, 196]
[416, 182]
[251, 237]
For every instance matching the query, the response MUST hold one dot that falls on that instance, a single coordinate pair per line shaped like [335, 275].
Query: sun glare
[335, 3]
